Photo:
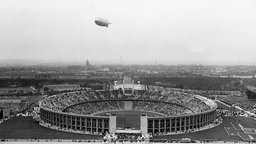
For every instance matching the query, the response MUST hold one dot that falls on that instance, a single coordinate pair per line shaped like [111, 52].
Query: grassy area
[235, 100]
[26, 128]
[34, 98]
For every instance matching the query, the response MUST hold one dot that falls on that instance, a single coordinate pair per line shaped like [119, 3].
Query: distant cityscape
[89, 71]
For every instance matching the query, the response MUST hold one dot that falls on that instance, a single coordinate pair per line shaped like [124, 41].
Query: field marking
[227, 130]
[231, 132]
[243, 137]
[250, 137]
[234, 126]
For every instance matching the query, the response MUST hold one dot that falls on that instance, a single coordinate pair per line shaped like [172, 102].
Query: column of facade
[180, 123]
[103, 126]
[197, 121]
[62, 117]
[80, 119]
[153, 127]
[209, 117]
[91, 124]
[165, 125]
[85, 124]
[170, 124]
[97, 125]
[76, 123]
[66, 122]
[51, 118]
[200, 122]
[208, 120]
[203, 124]
[175, 124]
[61, 122]
[185, 123]
[48, 117]
[194, 121]
[71, 122]
[59, 115]
[54, 119]
[45, 117]
[159, 125]
[205, 119]
[189, 123]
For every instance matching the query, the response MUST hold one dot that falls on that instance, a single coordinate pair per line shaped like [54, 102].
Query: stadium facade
[175, 112]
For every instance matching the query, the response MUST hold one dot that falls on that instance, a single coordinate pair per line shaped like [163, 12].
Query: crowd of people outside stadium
[127, 137]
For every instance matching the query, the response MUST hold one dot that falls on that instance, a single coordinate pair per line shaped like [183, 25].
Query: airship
[102, 22]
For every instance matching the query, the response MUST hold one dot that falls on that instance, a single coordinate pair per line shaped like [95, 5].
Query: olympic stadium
[129, 111]
[128, 108]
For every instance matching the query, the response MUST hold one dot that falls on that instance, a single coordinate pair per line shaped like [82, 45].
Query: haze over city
[141, 32]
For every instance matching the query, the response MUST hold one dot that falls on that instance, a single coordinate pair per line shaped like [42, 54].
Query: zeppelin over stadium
[128, 107]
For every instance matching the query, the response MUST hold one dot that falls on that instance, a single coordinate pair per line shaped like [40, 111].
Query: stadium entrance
[129, 119]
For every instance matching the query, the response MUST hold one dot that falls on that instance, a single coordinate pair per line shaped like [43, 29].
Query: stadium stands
[188, 111]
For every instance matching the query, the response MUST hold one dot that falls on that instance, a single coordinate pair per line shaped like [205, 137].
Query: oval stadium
[128, 108]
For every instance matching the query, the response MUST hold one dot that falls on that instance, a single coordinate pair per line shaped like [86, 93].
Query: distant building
[61, 87]
[87, 63]
[17, 91]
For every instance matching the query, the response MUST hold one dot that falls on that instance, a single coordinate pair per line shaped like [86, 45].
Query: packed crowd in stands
[94, 107]
[166, 101]
[163, 108]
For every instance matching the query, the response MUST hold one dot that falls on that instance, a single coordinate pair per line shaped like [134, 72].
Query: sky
[141, 31]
